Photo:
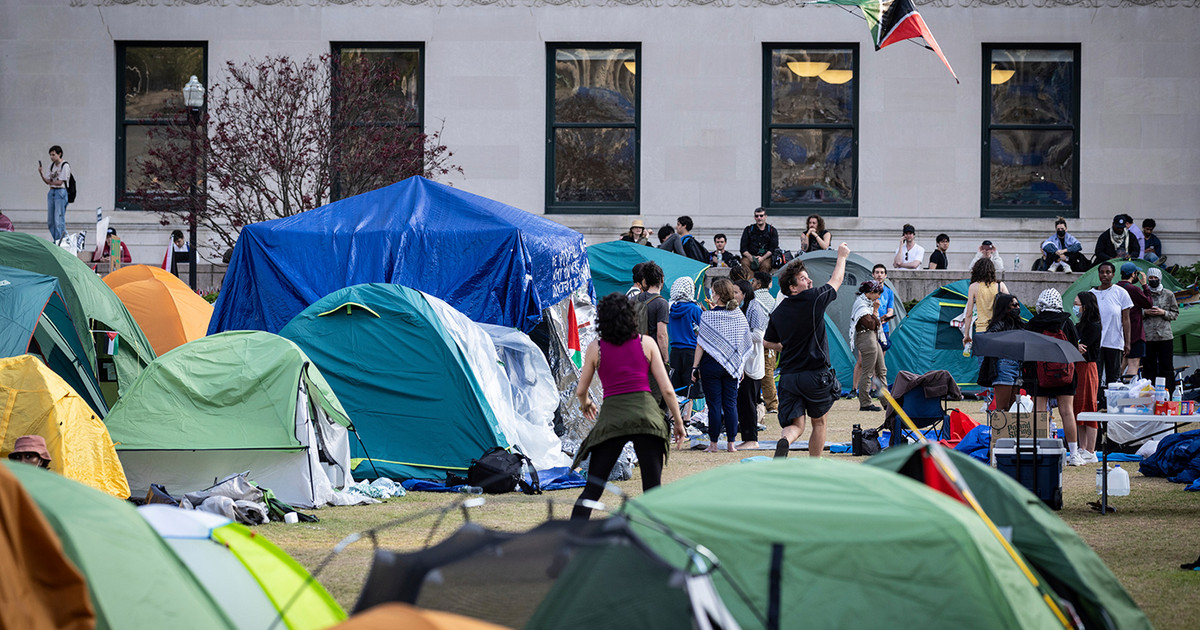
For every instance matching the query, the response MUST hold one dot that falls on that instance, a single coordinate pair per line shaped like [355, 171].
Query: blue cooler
[1041, 459]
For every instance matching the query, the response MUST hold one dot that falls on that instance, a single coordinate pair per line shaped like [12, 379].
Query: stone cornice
[1083, 4]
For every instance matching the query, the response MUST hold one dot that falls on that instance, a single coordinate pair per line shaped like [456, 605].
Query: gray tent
[858, 270]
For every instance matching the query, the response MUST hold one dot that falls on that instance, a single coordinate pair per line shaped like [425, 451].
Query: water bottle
[967, 348]
[1118, 482]
[1016, 263]
[474, 490]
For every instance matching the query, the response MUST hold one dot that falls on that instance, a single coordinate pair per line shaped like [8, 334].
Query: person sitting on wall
[1117, 242]
[722, 257]
[1153, 251]
[1061, 251]
[987, 250]
[104, 255]
[937, 258]
[636, 233]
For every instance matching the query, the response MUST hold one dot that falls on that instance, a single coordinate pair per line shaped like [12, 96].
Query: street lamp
[193, 99]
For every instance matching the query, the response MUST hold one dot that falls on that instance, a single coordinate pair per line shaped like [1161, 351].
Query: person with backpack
[1051, 379]
[652, 314]
[723, 344]
[626, 363]
[57, 197]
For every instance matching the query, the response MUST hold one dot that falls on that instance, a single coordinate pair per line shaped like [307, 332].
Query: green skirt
[626, 415]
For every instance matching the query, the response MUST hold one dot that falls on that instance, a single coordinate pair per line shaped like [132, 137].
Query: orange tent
[169, 313]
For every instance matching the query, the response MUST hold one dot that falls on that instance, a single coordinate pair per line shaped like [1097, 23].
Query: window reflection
[594, 165]
[1032, 168]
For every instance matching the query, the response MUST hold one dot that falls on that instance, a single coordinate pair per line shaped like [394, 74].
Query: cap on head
[1128, 269]
[987, 243]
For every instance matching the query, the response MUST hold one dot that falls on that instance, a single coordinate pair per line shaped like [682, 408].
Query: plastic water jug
[1118, 481]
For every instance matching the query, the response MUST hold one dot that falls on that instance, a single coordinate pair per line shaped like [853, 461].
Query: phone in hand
[39, 164]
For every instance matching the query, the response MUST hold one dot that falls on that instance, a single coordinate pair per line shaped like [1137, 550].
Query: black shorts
[1137, 350]
[805, 394]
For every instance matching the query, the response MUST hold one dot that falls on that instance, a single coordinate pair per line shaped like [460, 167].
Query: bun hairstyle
[723, 294]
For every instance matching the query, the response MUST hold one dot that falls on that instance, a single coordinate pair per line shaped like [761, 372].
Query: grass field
[1155, 529]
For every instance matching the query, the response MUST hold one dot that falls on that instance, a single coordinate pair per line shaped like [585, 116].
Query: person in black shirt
[759, 242]
[797, 332]
[937, 260]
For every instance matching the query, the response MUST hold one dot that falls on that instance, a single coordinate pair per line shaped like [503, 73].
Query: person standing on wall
[56, 197]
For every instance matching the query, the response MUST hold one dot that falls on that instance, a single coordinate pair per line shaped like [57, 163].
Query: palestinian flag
[892, 21]
[573, 348]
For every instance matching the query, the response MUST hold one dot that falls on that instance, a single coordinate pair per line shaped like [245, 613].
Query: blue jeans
[720, 397]
[56, 212]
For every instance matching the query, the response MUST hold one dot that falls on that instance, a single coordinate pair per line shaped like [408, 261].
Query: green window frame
[150, 72]
[810, 111]
[593, 128]
[1030, 157]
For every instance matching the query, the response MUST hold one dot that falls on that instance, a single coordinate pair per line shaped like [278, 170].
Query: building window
[1030, 130]
[150, 80]
[593, 128]
[399, 68]
[810, 129]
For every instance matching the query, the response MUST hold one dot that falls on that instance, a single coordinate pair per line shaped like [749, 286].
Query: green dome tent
[421, 381]
[1187, 329]
[231, 402]
[1091, 278]
[36, 321]
[817, 543]
[134, 578]
[93, 306]
[612, 266]
[927, 341]
[1067, 564]
[858, 270]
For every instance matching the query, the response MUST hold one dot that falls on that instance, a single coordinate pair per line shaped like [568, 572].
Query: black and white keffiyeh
[725, 336]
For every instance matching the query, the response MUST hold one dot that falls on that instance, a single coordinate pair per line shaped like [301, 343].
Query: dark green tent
[818, 543]
[1063, 559]
[927, 341]
[858, 270]
[612, 266]
[1091, 278]
[34, 319]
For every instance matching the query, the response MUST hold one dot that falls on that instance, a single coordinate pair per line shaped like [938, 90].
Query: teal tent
[1064, 561]
[819, 543]
[927, 341]
[1091, 278]
[421, 381]
[819, 266]
[612, 267]
[133, 577]
[841, 357]
[34, 319]
[93, 307]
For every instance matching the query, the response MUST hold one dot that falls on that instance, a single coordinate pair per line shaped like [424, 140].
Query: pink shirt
[623, 369]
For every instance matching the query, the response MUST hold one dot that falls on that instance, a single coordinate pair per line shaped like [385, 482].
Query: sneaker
[1075, 460]
[781, 448]
[1088, 456]
[871, 408]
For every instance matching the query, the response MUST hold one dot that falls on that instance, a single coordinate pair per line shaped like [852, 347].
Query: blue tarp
[495, 263]
[1177, 458]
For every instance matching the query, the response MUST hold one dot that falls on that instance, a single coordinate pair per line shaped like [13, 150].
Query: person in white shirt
[908, 254]
[987, 249]
[56, 197]
[1114, 303]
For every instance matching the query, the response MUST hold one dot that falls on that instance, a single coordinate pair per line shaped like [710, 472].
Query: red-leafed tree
[279, 137]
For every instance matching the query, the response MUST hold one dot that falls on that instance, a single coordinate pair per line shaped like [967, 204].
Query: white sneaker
[1088, 456]
[1075, 460]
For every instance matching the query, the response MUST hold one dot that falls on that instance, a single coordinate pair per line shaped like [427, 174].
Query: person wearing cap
[637, 233]
[1114, 305]
[125, 257]
[31, 449]
[1160, 352]
[1117, 242]
[1134, 282]
[908, 254]
[987, 250]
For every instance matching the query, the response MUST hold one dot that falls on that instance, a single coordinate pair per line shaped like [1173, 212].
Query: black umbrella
[1026, 345]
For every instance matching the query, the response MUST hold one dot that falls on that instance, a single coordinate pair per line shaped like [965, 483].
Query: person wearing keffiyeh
[681, 328]
[1156, 322]
[749, 391]
[723, 343]
[1051, 319]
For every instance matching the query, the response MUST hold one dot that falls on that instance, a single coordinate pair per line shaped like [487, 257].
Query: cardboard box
[1005, 425]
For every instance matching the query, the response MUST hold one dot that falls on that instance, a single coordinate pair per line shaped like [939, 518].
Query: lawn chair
[924, 399]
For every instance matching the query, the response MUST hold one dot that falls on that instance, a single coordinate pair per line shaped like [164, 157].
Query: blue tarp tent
[927, 341]
[612, 266]
[493, 262]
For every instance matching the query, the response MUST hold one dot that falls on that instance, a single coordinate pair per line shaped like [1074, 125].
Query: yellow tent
[168, 312]
[36, 401]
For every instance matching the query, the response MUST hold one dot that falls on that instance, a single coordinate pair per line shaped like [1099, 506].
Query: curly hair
[722, 290]
[820, 222]
[652, 274]
[788, 277]
[614, 319]
[983, 271]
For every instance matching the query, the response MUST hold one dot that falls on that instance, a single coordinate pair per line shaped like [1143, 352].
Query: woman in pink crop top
[625, 362]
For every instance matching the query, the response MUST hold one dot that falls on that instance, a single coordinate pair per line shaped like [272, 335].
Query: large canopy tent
[612, 266]
[1091, 278]
[93, 307]
[35, 401]
[34, 319]
[227, 403]
[929, 321]
[495, 263]
[816, 543]
[169, 312]
[858, 270]
[1070, 567]
[421, 381]
[133, 577]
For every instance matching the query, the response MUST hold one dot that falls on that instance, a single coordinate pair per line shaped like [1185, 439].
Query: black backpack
[641, 316]
[70, 185]
[499, 471]
[694, 250]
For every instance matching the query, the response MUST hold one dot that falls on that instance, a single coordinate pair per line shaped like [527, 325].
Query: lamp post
[193, 99]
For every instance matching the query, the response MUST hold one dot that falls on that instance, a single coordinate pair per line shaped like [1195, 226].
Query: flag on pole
[892, 21]
[573, 347]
